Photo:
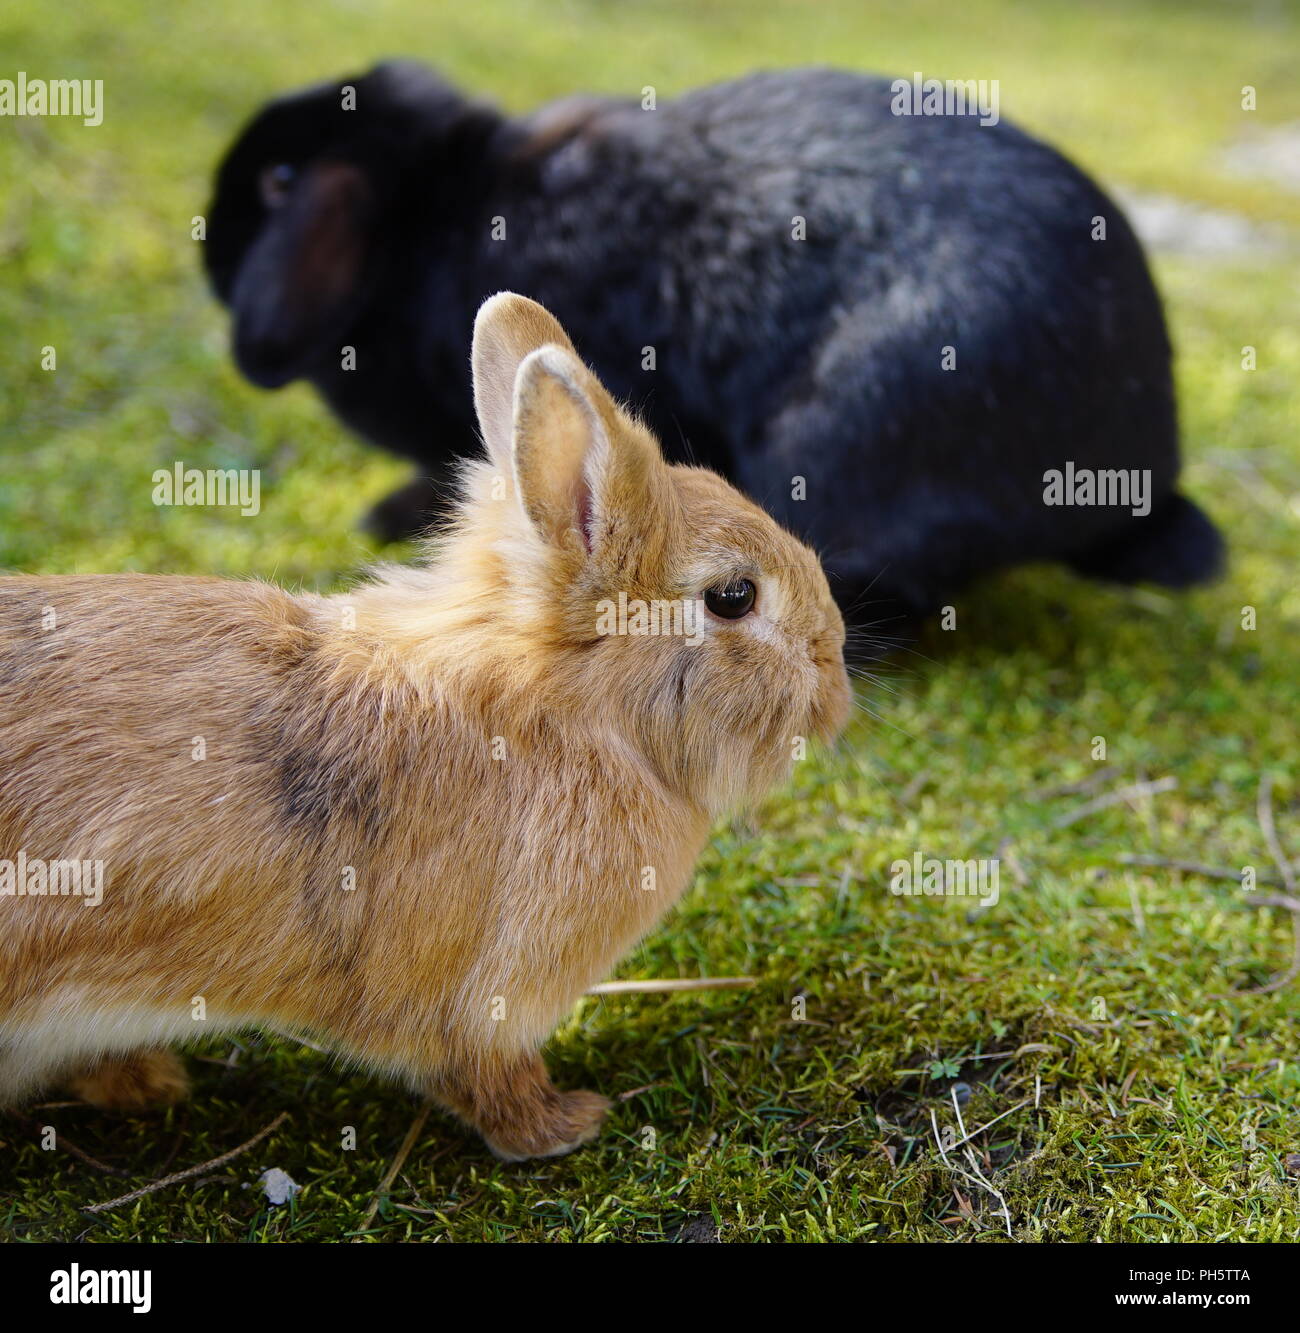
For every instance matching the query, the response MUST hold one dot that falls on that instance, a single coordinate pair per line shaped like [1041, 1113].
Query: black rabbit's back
[915, 314]
[887, 328]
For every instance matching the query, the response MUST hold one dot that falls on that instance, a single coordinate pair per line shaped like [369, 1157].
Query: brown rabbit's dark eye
[732, 600]
[276, 182]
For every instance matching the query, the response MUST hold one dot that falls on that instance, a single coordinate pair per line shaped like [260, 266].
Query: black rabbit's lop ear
[303, 278]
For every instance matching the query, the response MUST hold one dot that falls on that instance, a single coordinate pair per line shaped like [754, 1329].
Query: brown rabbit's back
[107, 758]
[288, 826]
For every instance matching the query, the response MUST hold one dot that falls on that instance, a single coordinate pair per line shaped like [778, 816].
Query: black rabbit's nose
[267, 362]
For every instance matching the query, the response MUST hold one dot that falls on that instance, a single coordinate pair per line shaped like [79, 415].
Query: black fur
[776, 358]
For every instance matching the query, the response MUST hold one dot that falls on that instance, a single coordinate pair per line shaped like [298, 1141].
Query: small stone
[280, 1187]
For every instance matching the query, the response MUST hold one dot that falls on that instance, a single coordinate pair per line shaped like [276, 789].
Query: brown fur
[493, 775]
[137, 1081]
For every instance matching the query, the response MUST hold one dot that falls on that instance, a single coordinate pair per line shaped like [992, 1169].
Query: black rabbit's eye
[732, 600]
[276, 182]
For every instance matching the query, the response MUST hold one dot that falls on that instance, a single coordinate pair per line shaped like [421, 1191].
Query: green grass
[1091, 1008]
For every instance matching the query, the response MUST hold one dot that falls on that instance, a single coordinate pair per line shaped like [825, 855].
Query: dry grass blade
[978, 1179]
[1264, 812]
[989, 1125]
[394, 1167]
[1118, 797]
[664, 985]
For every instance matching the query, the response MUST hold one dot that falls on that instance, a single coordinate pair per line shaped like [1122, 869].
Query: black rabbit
[891, 330]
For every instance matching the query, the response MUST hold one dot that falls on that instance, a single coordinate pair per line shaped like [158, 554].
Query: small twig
[419, 1212]
[1264, 812]
[190, 1172]
[1273, 900]
[1090, 783]
[394, 1167]
[1127, 1086]
[1137, 789]
[636, 1092]
[80, 1153]
[456, 1207]
[1189, 867]
[1007, 852]
[654, 985]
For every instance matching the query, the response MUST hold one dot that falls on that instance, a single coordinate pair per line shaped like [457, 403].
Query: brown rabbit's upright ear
[550, 425]
[507, 329]
[563, 455]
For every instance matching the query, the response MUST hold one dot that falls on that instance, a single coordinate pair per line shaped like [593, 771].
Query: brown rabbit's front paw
[518, 1110]
[568, 1121]
[132, 1082]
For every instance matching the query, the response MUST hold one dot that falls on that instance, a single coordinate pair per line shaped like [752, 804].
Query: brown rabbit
[418, 818]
